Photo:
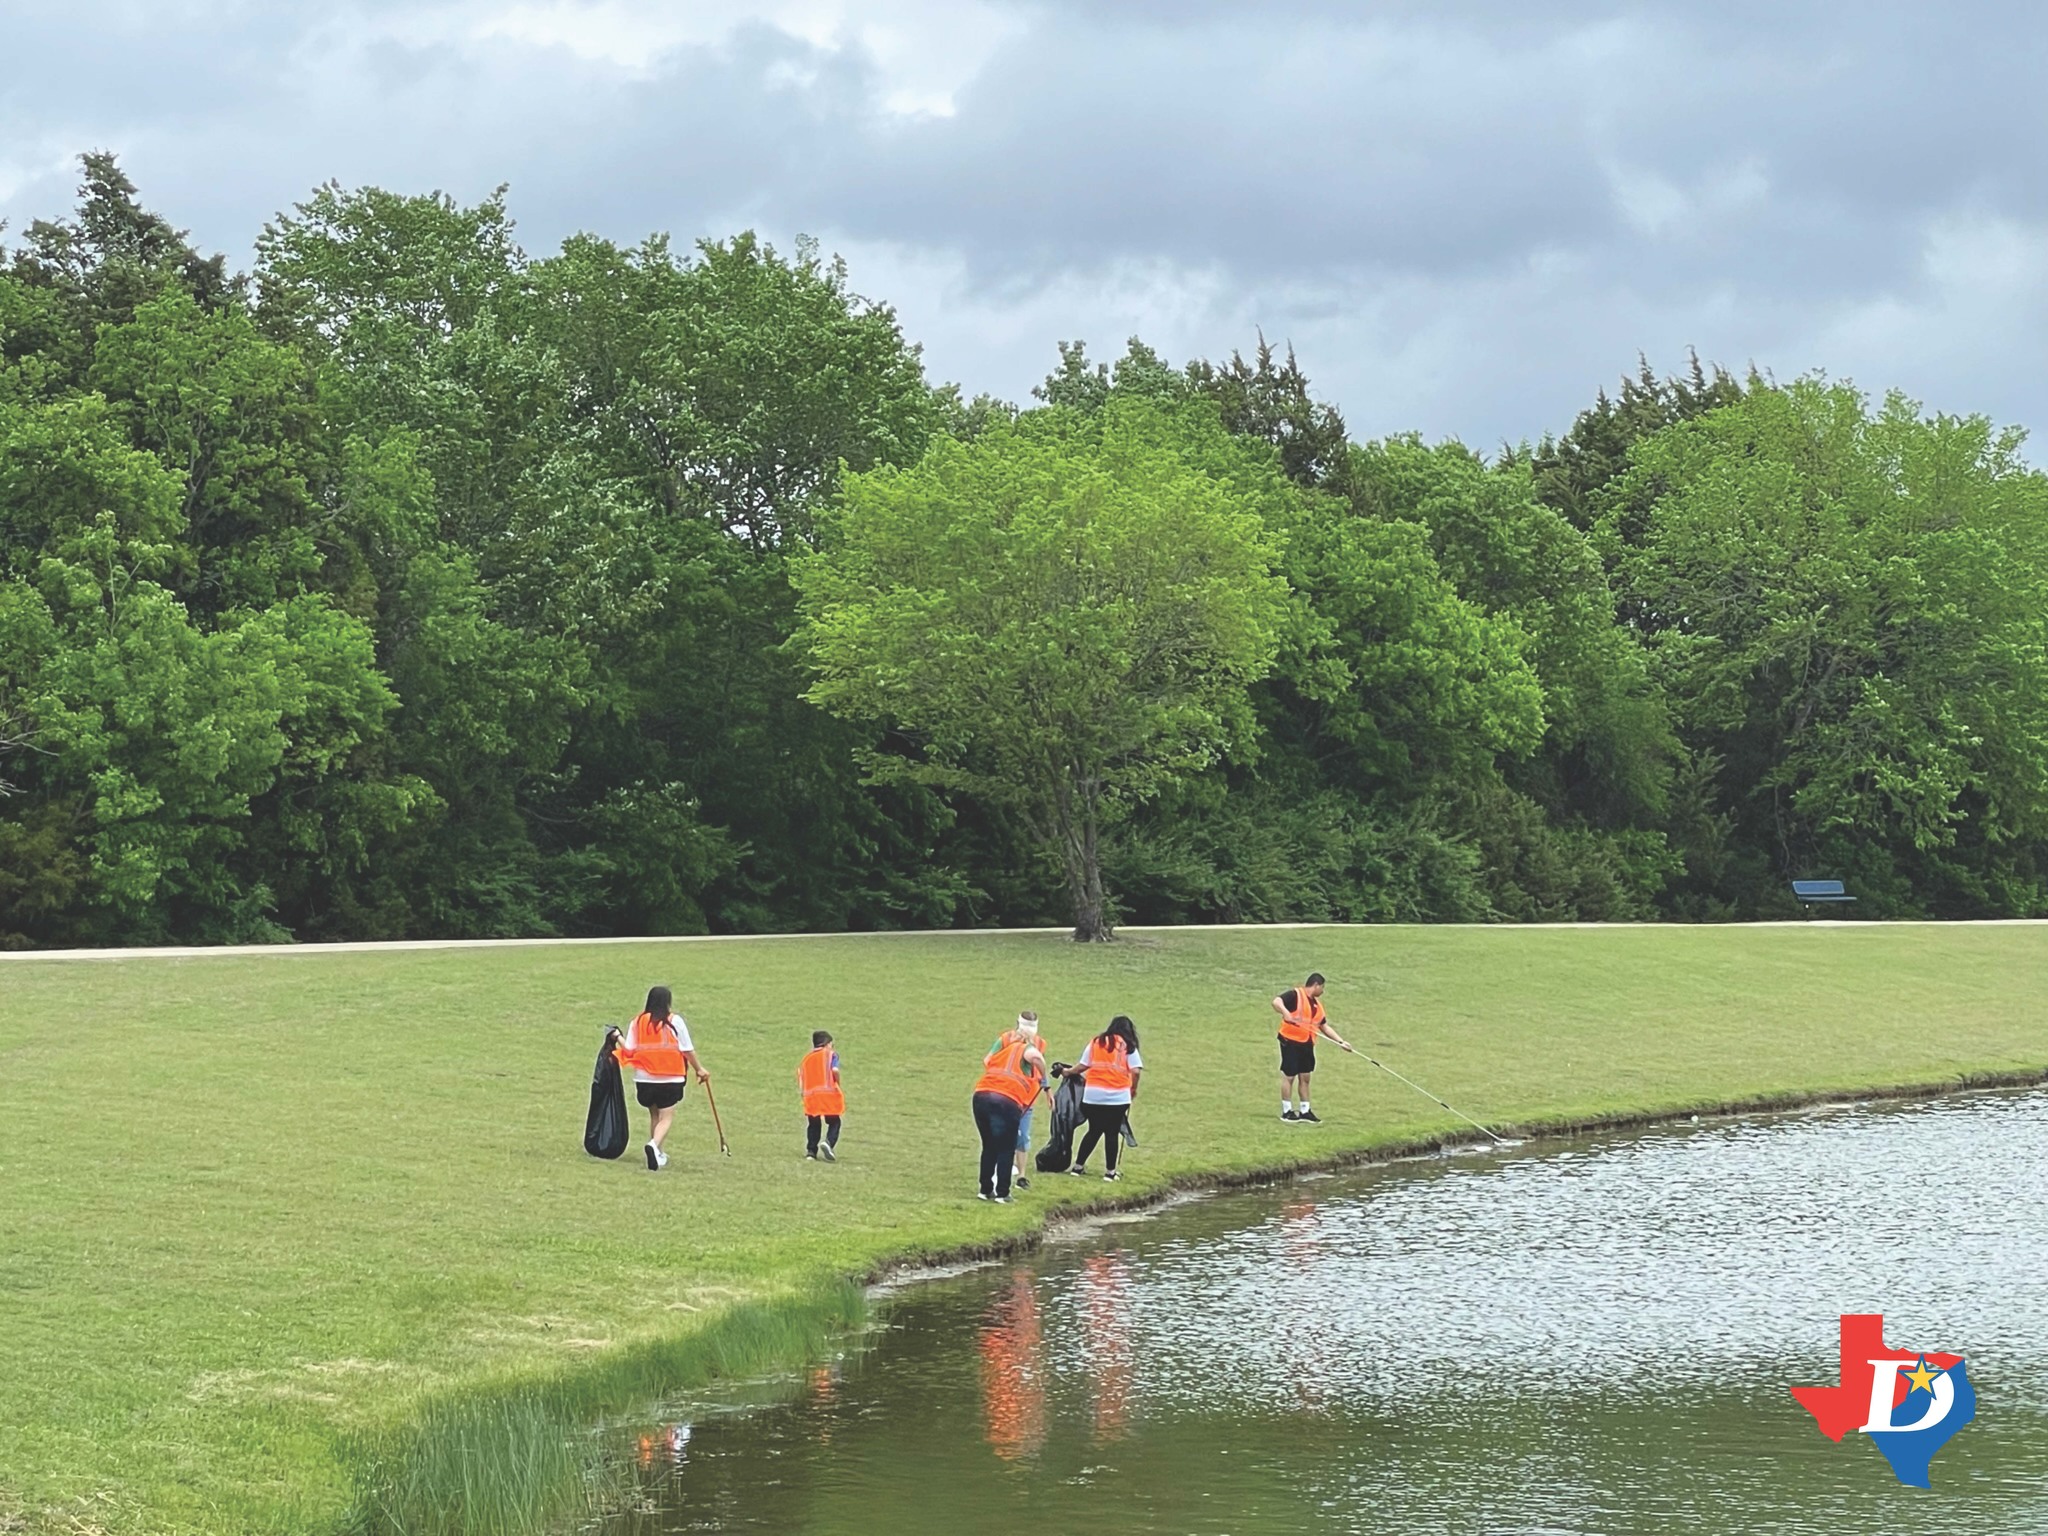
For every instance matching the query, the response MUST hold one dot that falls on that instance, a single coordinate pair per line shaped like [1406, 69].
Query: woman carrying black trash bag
[1110, 1068]
[657, 1047]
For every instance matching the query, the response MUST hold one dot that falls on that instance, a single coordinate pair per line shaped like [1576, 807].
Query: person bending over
[1027, 1030]
[1011, 1076]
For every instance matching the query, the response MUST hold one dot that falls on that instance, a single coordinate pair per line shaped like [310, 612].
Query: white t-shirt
[1090, 1094]
[682, 1029]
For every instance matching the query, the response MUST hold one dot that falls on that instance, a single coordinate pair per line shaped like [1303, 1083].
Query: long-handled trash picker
[715, 1121]
[1439, 1103]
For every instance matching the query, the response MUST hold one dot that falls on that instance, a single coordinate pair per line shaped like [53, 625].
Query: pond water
[1594, 1337]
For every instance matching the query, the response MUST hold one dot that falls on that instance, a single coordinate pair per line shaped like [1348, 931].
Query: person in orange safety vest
[1027, 1026]
[657, 1047]
[1110, 1067]
[1301, 1020]
[817, 1079]
[1011, 1076]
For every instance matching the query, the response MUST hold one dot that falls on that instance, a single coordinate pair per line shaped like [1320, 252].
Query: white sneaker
[656, 1158]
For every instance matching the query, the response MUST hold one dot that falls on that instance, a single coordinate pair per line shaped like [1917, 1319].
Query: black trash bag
[605, 1129]
[1057, 1155]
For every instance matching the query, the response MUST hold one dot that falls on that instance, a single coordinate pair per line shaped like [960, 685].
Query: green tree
[233, 416]
[714, 398]
[731, 387]
[98, 266]
[1843, 606]
[1063, 617]
[1571, 472]
[155, 736]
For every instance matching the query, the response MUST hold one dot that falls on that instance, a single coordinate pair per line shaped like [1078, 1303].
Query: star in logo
[1921, 1377]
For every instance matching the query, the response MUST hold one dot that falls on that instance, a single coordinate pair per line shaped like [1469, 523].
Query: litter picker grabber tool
[715, 1121]
[1439, 1103]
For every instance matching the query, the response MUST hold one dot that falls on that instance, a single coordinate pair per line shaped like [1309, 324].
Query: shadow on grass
[524, 1459]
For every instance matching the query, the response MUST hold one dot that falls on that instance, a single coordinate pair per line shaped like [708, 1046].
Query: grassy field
[261, 1217]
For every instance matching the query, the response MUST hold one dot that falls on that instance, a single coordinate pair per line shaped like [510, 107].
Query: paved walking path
[196, 951]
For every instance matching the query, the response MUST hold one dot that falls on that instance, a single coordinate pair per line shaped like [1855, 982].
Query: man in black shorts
[1301, 1020]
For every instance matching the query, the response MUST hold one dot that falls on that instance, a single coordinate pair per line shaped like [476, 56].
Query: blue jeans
[996, 1116]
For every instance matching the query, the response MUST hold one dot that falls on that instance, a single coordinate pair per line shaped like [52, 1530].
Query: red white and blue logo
[1910, 1404]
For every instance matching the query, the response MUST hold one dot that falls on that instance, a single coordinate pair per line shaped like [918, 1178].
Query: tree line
[411, 585]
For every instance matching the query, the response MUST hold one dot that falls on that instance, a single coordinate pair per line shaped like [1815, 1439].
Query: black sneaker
[653, 1157]
[811, 1154]
[828, 1154]
[1020, 1182]
[1078, 1171]
[982, 1194]
[1311, 1115]
[1002, 1199]
[1112, 1176]
[1288, 1114]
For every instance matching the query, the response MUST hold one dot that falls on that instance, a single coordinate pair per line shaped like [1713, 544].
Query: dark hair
[660, 1004]
[819, 1037]
[1315, 979]
[1121, 1028]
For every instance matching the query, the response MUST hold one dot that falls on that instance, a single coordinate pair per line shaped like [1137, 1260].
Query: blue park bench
[1813, 893]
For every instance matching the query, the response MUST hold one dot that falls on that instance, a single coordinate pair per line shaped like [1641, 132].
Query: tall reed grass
[531, 1458]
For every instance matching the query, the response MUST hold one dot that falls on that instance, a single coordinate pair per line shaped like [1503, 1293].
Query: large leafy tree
[1063, 617]
[1570, 823]
[1844, 606]
[712, 400]
[730, 386]
[626, 444]
[167, 646]
[1457, 726]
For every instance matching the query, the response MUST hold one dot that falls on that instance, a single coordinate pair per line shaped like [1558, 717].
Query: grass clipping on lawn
[307, 1242]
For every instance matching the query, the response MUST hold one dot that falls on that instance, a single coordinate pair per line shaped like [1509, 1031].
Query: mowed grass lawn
[252, 1206]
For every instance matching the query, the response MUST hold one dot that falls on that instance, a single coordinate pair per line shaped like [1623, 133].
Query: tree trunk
[1081, 846]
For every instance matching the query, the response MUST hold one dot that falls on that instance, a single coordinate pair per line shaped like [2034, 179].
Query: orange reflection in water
[1305, 1340]
[824, 1384]
[1013, 1372]
[668, 1446]
[1105, 1291]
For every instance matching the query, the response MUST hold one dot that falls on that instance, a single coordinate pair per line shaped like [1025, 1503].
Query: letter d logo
[1884, 1378]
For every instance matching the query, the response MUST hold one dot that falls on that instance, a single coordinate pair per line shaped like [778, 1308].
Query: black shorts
[1296, 1057]
[659, 1095]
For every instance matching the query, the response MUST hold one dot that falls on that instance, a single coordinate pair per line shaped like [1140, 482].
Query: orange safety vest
[1003, 1072]
[1301, 1024]
[657, 1052]
[819, 1084]
[1113, 1074]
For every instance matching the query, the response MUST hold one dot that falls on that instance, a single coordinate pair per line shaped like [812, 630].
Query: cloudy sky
[1466, 215]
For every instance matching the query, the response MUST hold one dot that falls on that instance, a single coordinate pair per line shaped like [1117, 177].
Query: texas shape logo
[1910, 1404]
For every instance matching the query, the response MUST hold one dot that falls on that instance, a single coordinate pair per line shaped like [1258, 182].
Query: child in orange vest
[817, 1078]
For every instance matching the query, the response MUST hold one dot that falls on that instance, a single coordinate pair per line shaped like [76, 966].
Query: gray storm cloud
[1465, 215]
